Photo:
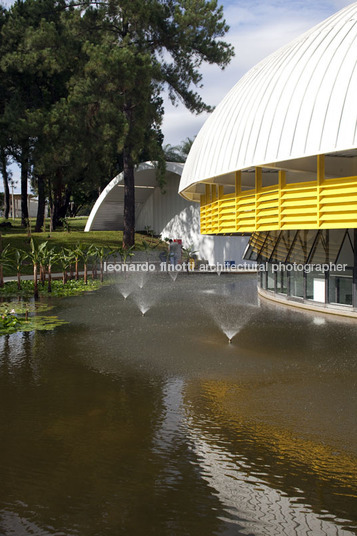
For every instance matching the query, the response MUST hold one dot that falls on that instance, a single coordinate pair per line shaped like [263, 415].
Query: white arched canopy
[298, 102]
[108, 211]
[167, 214]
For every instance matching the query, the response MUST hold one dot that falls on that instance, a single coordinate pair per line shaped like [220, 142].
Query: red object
[178, 240]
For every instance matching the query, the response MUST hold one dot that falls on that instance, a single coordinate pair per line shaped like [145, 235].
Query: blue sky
[257, 28]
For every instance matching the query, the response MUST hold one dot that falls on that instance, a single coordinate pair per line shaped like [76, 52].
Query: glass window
[257, 240]
[283, 246]
[346, 255]
[302, 247]
[319, 253]
[269, 245]
[335, 239]
[271, 279]
[250, 254]
[297, 284]
[263, 280]
[340, 287]
[282, 282]
[315, 286]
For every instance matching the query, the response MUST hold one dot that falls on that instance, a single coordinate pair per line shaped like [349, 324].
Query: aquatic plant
[25, 317]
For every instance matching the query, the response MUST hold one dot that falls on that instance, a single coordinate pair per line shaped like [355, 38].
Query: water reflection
[114, 424]
[279, 483]
[85, 453]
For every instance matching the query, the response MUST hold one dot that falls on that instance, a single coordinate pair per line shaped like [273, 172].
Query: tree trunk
[42, 275]
[85, 273]
[101, 271]
[41, 204]
[56, 200]
[50, 201]
[61, 200]
[1, 276]
[129, 200]
[5, 176]
[18, 280]
[76, 270]
[24, 179]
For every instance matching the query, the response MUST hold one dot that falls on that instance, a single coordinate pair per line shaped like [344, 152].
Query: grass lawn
[18, 238]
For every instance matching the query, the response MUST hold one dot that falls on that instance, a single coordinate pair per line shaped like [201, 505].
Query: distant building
[15, 206]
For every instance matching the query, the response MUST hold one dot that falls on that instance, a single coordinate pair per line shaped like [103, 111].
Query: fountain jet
[230, 333]
[143, 309]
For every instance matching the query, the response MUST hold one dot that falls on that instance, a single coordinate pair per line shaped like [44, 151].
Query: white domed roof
[300, 101]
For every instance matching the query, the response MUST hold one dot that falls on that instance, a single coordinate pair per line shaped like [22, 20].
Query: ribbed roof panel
[299, 101]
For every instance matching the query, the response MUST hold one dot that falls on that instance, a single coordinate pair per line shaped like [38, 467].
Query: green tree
[154, 45]
[83, 90]
[85, 253]
[29, 62]
[36, 257]
[178, 153]
[52, 257]
[4, 137]
[6, 174]
[65, 258]
[20, 256]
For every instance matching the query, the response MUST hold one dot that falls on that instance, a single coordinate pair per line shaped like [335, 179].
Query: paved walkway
[30, 277]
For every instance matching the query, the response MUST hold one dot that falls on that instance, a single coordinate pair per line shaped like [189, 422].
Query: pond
[120, 423]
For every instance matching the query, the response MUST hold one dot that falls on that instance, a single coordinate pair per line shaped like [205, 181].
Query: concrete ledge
[307, 306]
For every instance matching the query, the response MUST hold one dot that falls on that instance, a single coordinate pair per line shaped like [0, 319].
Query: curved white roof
[108, 210]
[300, 101]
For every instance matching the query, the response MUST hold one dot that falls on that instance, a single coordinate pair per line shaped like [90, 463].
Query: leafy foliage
[25, 317]
[81, 90]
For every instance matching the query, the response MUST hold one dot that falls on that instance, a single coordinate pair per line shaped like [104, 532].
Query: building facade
[278, 158]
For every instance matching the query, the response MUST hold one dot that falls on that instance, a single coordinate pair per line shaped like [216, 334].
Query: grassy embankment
[19, 238]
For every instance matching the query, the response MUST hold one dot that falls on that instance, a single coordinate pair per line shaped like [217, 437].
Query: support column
[354, 281]
[202, 213]
[213, 192]
[238, 183]
[288, 284]
[208, 193]
[327, 259]
[258, 187]
[282, 184]
[320, 180]
[238, 191]
[304, 285]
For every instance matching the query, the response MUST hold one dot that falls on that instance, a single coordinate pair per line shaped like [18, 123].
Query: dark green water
[119, 424]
